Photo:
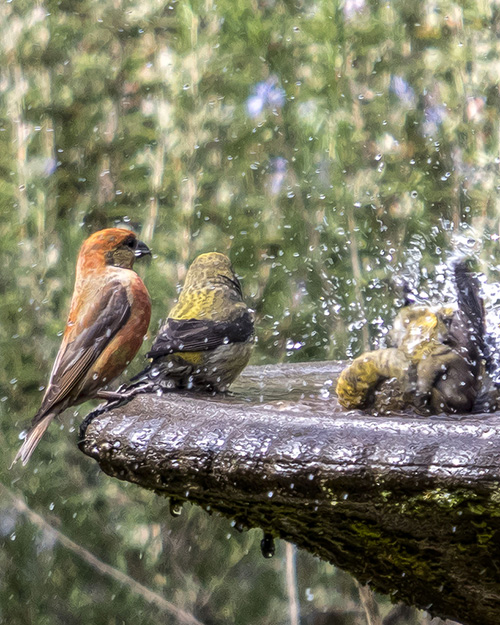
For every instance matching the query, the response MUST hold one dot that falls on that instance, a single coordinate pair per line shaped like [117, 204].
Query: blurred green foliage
[325, 146]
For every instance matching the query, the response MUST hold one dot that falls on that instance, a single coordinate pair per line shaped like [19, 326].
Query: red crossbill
[208, 336]
[436, 364]
[109, 316]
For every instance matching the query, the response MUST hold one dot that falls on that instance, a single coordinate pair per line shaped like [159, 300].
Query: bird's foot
[126, 392]
[101, 408]
[114, 399]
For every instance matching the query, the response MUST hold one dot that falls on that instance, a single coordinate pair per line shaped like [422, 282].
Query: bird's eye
[130, 243]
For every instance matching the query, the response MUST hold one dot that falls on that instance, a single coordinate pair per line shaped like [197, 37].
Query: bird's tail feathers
[469, 297]
[32, 439]
[471, 326]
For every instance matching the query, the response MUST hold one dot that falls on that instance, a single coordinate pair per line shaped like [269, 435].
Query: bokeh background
[327, 147]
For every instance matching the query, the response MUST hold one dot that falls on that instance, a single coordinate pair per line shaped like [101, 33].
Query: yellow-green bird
[436, 364]
[418, 331]
[361, 384]
[208, 337]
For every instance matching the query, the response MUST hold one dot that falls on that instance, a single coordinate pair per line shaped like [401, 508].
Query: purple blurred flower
[279, 168]
[351, 7]
[266, 94]
[255, 104]
[435, 114]
[403, 90]
[276, 96]
[50, 166]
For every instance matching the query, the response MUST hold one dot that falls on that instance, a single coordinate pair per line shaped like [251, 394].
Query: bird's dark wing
[195, 335]
[94, 331]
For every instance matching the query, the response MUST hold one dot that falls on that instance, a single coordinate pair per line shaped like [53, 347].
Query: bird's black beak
[142, 249]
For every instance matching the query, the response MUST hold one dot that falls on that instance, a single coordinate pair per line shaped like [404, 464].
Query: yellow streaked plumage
[208, 336]
[436, 362]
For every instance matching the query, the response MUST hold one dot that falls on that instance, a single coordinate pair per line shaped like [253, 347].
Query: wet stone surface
[409, 503]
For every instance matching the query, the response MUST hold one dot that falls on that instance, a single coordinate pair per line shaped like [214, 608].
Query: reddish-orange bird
[108, 318]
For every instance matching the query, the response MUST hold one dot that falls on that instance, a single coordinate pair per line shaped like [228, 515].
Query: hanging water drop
[267, 545]
[175, 507]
